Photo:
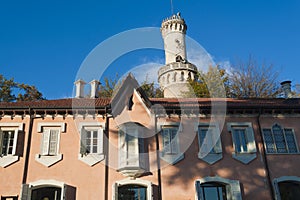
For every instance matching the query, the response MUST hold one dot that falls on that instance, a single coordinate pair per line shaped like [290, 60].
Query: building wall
[177, 180]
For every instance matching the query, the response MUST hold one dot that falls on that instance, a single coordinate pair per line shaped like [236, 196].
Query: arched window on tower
[174, 76]
[168, 78]
[182, 76]
[189, 76]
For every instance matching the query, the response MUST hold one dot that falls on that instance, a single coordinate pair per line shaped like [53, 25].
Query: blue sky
[45, 42]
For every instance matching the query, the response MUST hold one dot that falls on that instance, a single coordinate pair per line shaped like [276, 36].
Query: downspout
[158, 160]
[106, 131]
[26, 162]
[264, 156]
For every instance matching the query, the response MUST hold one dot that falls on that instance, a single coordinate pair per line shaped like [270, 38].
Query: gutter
[264, 156]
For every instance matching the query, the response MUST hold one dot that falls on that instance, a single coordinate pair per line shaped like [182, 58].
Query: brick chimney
[94, 88]
[286, 87]
[79, 87]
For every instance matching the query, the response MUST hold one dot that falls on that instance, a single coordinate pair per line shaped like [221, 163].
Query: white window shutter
[217, 140]
[251, 140]
[83, 142]
[122, 149]
[174, 141]
[15, 142]
[166, 140]
[115, 191]
[25, 192]
[235, 190]
[45, 142]
[53, 142]
[204, 148]
[100, 141]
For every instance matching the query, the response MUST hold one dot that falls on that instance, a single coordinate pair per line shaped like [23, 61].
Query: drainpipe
[106, 189]
[264, 156]
[26, 162]
[158, 159]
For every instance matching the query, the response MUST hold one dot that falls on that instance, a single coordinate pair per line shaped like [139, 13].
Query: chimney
[94, 88]
[79, 84]
[286, 87]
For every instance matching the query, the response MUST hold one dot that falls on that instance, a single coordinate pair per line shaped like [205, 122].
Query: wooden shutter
[175, 141]
[100, 141]
[45, 142]
[15, 141]
[1, 142]
[216, 136]
[204, 149]
[199, 194]
[25, 192]
[83, 142]
[53, 142]
[69, 192]
[166, 140]
[251, 140]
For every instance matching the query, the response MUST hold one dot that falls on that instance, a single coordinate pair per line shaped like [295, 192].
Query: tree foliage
[252, 80]
[213, 83]
[11, 91]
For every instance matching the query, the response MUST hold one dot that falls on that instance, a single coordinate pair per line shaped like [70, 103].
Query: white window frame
[243, 156]
[44, 156]
[284, 135]
[9, 159]
[26, 190]
[214, 140]
[283, 179]
[174, 157]
[92, 158]
[131, 165]
[130, 181]
[233, 189]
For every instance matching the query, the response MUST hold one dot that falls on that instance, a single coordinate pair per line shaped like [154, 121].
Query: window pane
[279, 139]
[240, 140]
[290, 140]
[213, 191]
[132, 192]
[51, 193]
[269, 141]
[289, 190]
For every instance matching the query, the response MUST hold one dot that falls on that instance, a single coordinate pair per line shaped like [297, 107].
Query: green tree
[213, 83]
[11, 91]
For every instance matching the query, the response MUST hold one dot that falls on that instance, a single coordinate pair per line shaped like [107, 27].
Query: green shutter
[251, 140]
[83, 142]
[217, 140]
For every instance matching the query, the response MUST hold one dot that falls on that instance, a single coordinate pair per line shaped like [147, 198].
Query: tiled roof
[165, 102]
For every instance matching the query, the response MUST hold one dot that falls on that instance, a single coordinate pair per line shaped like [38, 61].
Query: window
[9, 197]
[170, 143]
[243, 141]
[47, 190]
[133, 189]
[46, 193]
[10, 140]
[132, 192]
[210, 147]
[217, 188]
[91, 142]
[132, 154]
[287, 188]
[49, 143]
[280, 140]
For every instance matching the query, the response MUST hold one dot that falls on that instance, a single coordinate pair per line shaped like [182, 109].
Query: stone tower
[173, 76]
